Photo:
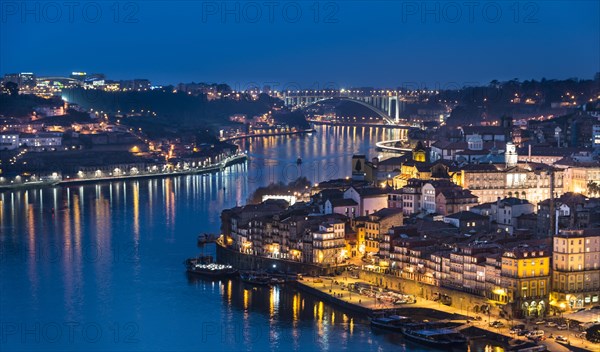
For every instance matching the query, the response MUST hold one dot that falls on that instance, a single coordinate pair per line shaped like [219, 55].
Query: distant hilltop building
[23, 79]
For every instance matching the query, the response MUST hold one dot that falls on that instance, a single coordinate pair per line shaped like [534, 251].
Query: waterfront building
[493, 278]
[576, 269]
[468, 267]
[235, 222]
[525, 277]
[328, 243]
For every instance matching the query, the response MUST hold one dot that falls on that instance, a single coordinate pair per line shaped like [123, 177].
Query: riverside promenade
[235, 159]
[333, 290]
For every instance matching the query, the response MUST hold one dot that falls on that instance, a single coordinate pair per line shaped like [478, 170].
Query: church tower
[419, 153]
[510, 155]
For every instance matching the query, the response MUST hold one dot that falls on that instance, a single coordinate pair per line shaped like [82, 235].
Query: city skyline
[307, 175]
[327, 44]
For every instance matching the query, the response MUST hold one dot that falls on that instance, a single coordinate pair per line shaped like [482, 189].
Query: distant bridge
[385, 104]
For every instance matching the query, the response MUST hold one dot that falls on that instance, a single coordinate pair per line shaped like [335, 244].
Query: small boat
[212, 270]
[299, 161]
[392, 323]
[435, 337]
[253, 278]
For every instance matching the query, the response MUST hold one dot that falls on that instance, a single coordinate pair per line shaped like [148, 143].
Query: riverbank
[335, 289]
[310, 130]
[351, 124]
[236, 159]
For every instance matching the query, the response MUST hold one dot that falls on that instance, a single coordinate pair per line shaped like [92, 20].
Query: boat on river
[255, 278]
[443, 337]
[204, 266]
[391, 323]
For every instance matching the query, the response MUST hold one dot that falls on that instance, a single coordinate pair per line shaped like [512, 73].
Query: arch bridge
[384, 105]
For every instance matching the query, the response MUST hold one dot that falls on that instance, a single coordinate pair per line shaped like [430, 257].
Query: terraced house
[526, 280]
[576, 274]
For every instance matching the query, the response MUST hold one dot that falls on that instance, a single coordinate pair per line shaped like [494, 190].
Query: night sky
[304, 43]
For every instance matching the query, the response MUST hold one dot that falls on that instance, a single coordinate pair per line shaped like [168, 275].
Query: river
[99, 266]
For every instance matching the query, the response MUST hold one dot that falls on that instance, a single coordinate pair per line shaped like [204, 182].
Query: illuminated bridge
[387, 104]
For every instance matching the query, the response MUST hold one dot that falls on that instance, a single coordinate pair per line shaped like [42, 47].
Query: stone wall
[426, 291]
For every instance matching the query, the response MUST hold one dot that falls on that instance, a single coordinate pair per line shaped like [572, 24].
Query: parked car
[514, 331]
[497, 324]
[562, 327]
[535, 334]
[550, 324]
[523, 332]
[540, 322]
[561, 338]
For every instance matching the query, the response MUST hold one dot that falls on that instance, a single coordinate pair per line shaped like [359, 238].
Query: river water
[99, 267]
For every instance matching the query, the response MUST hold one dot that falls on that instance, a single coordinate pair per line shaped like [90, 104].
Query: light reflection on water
[108, 258]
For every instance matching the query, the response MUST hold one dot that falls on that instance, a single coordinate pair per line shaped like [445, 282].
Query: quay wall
[460, 300]
[328, 298]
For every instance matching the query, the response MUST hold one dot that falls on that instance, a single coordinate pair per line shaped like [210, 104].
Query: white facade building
[40, 139]
[9, 141]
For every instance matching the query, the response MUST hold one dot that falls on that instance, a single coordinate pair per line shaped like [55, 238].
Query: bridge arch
[378, 111]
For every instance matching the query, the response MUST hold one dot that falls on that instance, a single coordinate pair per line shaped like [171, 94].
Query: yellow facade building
[525, 276]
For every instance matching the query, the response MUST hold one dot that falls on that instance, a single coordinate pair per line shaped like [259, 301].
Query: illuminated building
[533, 182]
[525, 276]
[576, 269]
[378, 224]
[578, 176]
[9, 141]
[328, 243]
[369, 199]
[40, 139]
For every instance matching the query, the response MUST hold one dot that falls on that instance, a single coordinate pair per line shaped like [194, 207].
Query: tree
[12, 87]
[593, 333]
[593, 188]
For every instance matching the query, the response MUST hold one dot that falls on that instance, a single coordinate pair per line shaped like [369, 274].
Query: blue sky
[311, 44]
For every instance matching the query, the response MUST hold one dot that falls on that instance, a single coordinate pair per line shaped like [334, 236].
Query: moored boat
[436, 337]
[392, 323]
[212, 270]
[254, 278]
